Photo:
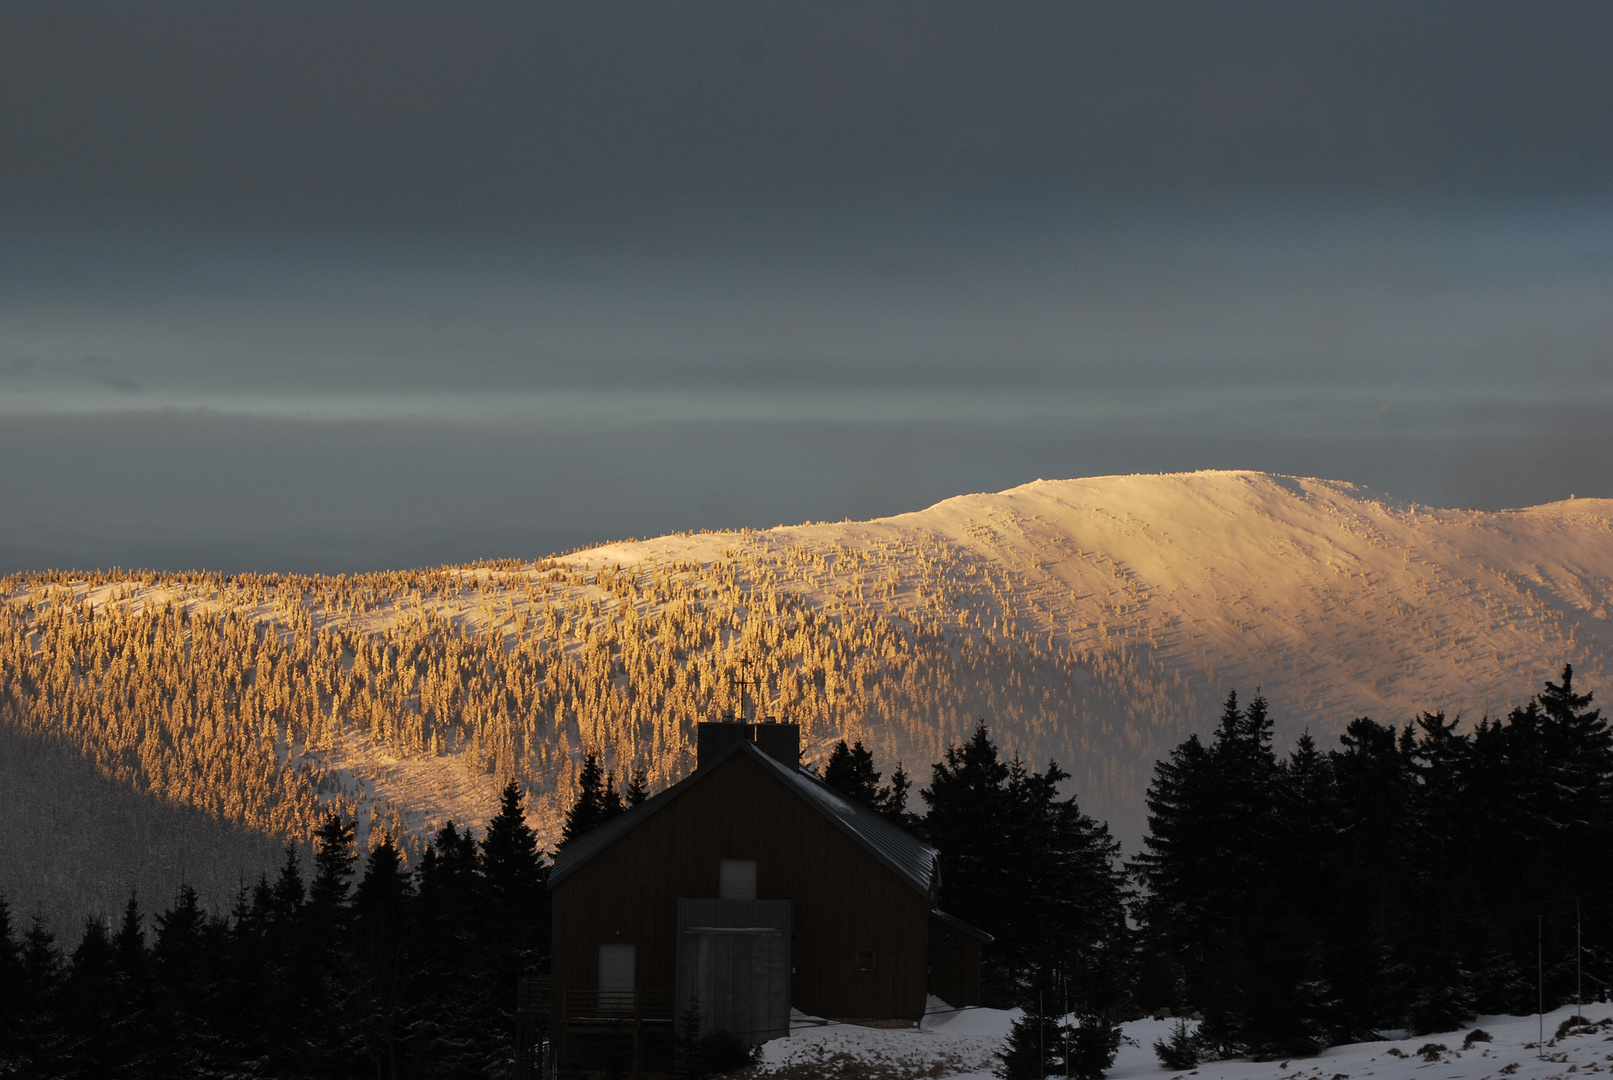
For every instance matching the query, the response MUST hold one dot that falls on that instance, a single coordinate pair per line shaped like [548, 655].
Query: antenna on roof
[742, 682]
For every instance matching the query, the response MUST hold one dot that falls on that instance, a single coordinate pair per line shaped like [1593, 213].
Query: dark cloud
[416, 282]
[182, 490]
[639, 120]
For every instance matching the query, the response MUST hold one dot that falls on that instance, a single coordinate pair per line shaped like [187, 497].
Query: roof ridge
[907, 856]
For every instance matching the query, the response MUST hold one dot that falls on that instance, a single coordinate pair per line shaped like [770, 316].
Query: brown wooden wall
[845, 898]
[954, 965]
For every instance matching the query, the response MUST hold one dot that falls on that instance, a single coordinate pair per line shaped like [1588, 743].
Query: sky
[297, 286]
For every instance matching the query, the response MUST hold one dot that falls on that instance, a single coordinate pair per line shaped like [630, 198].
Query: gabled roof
[904, 854]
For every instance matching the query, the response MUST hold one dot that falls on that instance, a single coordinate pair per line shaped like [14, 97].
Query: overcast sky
[343, 287]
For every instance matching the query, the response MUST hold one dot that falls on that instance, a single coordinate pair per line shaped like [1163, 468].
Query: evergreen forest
[1408, 878]
[400, 700]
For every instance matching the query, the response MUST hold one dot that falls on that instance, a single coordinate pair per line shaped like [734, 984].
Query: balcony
[609, 1007]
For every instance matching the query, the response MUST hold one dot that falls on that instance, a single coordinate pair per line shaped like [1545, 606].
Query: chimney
[781, 742]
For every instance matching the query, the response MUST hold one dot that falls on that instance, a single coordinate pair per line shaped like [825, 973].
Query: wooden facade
[955, 960]
[862, 929]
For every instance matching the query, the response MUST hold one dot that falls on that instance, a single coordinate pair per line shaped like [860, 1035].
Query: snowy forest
[1408, 878]
[267, 702]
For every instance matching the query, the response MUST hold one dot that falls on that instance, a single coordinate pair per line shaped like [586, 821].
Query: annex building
[745, 890]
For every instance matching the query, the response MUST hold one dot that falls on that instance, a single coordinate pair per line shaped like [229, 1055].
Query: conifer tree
[893, 800]
[850, 771]
[183, 989]
[38, 1041]
[1034, 1047]
[90, 1000]
[1028, 867]
[125, 1036]
[1375, 884]
[130, 943]
[450, 872]
[509, 853]
[12, 987]
[1291, 1002]
[288, 892]
[380, 980]
[457, 940]
[1178, 872]
[637, 789]
[334, 858]
[385, 886]
[597, 801]
[1218, 908]
[518, 915]
[967, 800]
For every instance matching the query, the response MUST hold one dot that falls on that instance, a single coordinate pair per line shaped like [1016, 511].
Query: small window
[865, 959]
[736, 879]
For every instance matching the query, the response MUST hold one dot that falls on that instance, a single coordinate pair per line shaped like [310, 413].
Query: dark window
[865, 959]
[736, 879]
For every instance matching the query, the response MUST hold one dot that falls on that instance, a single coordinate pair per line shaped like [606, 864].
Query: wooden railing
[645, 1006]
[531, 1020]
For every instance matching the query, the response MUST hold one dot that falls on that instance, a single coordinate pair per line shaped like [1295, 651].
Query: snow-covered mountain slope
[1334, 600]
[1095, 621]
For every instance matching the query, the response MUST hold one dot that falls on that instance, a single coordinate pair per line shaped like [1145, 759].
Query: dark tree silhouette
[597, 801]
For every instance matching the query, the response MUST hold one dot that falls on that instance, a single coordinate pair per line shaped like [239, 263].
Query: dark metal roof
[962, 927]
[908, 857]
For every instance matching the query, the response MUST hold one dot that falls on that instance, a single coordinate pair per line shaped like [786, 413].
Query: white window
[736, 879]
[616, 968]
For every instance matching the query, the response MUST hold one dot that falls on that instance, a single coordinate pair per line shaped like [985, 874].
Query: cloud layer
[309, 287]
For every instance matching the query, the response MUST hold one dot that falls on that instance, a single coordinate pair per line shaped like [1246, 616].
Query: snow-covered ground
[964, 1043]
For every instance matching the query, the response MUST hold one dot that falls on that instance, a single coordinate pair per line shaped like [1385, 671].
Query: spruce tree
[637, 789]
[1034, 1047]
[288, 892]
[11, 983]
[1028, 867]
[510, 862]
[38, 1039]
[312, 1009]
[126, 1036]
[1218, 908]
[183, 990]
[893, 799]
[1292, 1006]
[1376, 878]
[457, 939]
[12, 987]
[334, 859]
[967, 821]
[90, 1001]
[1178, 871]
[381, 987]
[597, 801]
[518, 915]
[850, 771]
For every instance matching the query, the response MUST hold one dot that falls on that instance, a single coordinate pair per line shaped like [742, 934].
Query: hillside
[1094, 621]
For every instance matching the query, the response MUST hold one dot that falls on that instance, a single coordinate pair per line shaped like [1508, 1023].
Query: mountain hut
[746, 890]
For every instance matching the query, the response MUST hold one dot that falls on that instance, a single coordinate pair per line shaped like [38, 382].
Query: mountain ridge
[964, 518]
[1095, 621]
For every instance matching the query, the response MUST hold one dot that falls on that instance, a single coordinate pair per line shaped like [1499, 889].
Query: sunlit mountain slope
[1093, 621]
